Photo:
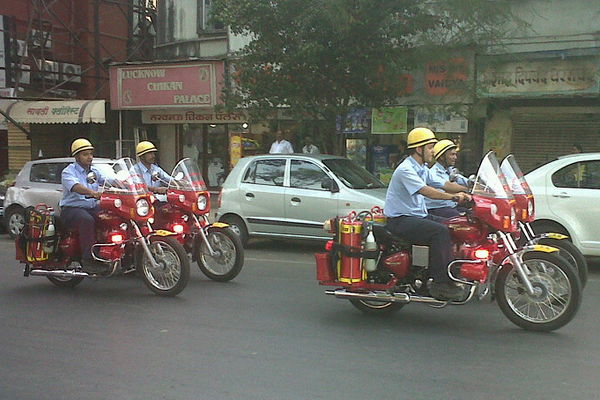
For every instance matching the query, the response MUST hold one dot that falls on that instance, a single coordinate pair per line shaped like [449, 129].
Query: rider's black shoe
[447, 291]
[93, 267]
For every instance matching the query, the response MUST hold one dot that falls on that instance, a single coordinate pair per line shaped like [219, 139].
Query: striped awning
[54, 112]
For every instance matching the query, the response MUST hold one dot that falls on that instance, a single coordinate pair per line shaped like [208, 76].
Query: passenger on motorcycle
[407, 215]
[156, 179]
[445, 153]
[79, 205]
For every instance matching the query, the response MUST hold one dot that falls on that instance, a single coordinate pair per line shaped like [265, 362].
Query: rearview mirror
[91, 177]
[178, 176]
[330, 184]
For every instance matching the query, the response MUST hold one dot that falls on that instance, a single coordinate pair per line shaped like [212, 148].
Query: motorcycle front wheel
[172, 274]
[228, 261]
[557, 294]
[572, 254]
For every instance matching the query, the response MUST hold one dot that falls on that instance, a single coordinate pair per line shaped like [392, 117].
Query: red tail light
[329, 245]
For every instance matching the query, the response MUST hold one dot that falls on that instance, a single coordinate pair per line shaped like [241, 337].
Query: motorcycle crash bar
[385, 297]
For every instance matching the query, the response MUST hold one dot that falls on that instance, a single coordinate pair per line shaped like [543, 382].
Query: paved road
[272, 334]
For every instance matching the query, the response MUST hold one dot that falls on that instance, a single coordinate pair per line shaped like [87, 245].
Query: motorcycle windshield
[187, 176]
[123, 179]
[490, 181]
[514, 176]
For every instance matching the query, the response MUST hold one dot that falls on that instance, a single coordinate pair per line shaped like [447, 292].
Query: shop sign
[356, 121]
[191, 117]
[442, 119]
[445, 77]
[388, 120]
[537, 78]
[166, 85]
[59, 71]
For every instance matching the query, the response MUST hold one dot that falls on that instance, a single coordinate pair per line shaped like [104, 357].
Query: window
[306, 175]
[46, 172]
[352, 175]
[205, 21]
[266, 172]
[582, 175]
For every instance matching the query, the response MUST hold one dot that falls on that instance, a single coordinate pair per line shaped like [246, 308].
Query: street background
[273, 334]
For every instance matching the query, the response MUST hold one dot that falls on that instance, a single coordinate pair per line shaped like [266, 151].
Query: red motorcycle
[525, 208]
[379, 273]
[126, 241]
[215, 247]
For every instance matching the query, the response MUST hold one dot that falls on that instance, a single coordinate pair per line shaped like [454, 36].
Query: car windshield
[352, 175]
[514, 176]
[187, 176]
[490, 181]
[122, 179]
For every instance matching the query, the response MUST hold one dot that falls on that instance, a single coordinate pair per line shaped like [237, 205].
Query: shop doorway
[208, 146]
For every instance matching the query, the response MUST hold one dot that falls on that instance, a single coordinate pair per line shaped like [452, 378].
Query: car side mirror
[330, 184]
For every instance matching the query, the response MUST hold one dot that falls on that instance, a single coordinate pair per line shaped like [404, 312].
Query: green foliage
[322, 56]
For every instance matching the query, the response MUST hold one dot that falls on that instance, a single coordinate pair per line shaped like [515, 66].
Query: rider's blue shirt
[73, 174]
[403, 197]
[146, 174]
[441, 174]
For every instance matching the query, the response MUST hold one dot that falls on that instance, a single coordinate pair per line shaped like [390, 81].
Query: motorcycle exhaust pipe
[60, 273]
[385, 297]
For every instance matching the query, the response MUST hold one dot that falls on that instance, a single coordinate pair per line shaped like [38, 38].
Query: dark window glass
[47, 173]
[352, 175]
[306, 175]
[582, 175]
[266, 172]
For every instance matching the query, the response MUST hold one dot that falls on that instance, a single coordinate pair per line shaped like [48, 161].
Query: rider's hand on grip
[462, 198]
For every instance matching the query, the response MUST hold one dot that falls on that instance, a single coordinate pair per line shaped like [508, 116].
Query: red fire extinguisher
[349, 268]
[378, 215]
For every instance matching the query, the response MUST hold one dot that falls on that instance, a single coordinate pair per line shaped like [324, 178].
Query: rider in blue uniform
[407, 214]
[445, 153]
[155, 178]
[79, 205]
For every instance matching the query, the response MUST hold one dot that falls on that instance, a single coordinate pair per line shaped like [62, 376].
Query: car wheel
[15, 221]
[237, 225]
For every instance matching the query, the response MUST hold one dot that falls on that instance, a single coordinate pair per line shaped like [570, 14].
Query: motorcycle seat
[60, 227]
[383, 235]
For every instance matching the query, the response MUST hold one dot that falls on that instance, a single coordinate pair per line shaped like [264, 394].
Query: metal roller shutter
[539, 137]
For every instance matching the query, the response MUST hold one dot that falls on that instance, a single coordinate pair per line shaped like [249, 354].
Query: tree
[321, 57]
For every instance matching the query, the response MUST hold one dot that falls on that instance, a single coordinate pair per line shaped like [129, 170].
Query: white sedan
[567, 199]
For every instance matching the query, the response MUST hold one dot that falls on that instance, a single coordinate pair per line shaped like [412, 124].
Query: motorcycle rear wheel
[229, 261]
[376, 307]
[173, 273]
[65, 282]
[572, 254]
[557, 298]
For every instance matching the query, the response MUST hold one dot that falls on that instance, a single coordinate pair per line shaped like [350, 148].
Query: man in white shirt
[280, 145]
[309, 147]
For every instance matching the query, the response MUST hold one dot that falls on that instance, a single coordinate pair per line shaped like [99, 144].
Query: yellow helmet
[80, 144]
[144, 148]
[442, 146]
[420, 137]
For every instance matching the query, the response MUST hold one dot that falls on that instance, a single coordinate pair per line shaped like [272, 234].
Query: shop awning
[54, 112]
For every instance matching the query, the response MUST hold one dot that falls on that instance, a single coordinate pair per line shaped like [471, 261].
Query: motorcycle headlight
[202, 203]
[530, 208]
[513, 216]
[142, 207]
[118, 203]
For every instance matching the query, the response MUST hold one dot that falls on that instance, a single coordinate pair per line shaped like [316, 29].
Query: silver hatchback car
[291, 195]
[38, 181]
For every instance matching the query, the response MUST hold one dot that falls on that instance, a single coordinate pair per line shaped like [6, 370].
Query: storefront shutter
[539, 137]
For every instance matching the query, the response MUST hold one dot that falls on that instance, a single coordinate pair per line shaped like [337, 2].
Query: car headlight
[202, 203]
[142, 207]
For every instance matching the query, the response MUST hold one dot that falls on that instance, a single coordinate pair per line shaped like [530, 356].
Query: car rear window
[582, 175]
[47, 172]
[265, 172]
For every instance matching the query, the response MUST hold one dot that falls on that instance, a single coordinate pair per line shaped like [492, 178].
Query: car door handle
[562, 195]
[295, 200]
[250, 195]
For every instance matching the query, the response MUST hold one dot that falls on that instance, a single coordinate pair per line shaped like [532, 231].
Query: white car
[567, 199]
[37, 182]
[291, 195]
